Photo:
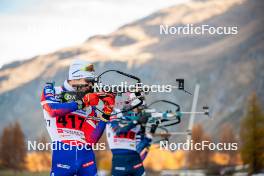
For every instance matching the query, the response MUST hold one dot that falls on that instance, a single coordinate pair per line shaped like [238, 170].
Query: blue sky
[16, 6]
[32, 27]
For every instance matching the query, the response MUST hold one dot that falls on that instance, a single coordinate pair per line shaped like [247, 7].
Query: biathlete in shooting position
[128, 141]
[129, 134]
[68, 121]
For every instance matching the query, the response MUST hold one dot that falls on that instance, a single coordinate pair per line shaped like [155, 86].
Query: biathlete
[69, 121]
[128, 141]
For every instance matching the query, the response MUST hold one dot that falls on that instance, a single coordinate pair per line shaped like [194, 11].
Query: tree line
[13, 149]
[250, 141]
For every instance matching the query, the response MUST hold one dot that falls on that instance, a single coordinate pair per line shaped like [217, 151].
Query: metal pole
[192, 116]
[199, 112]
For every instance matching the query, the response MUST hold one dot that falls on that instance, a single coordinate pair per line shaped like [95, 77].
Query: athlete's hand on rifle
[109, 102]
[143, 118]
[90, 99]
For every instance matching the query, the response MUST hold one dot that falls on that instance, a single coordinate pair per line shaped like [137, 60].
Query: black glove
[153, 128]
[143, 118]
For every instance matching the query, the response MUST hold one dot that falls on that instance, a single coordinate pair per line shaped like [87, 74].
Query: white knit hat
[133, 99]
[81, 69]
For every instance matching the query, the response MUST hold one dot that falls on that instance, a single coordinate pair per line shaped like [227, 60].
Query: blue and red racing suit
[69, 127]
[128, 147]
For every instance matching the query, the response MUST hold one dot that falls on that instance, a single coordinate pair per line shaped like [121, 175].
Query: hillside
[228, 67]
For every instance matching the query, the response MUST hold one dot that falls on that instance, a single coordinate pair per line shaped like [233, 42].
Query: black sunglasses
[90, 80]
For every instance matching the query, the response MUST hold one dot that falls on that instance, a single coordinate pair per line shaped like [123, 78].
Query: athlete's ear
[70, 81]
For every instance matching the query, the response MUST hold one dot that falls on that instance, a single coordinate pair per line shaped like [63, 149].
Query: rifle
[77, 95]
